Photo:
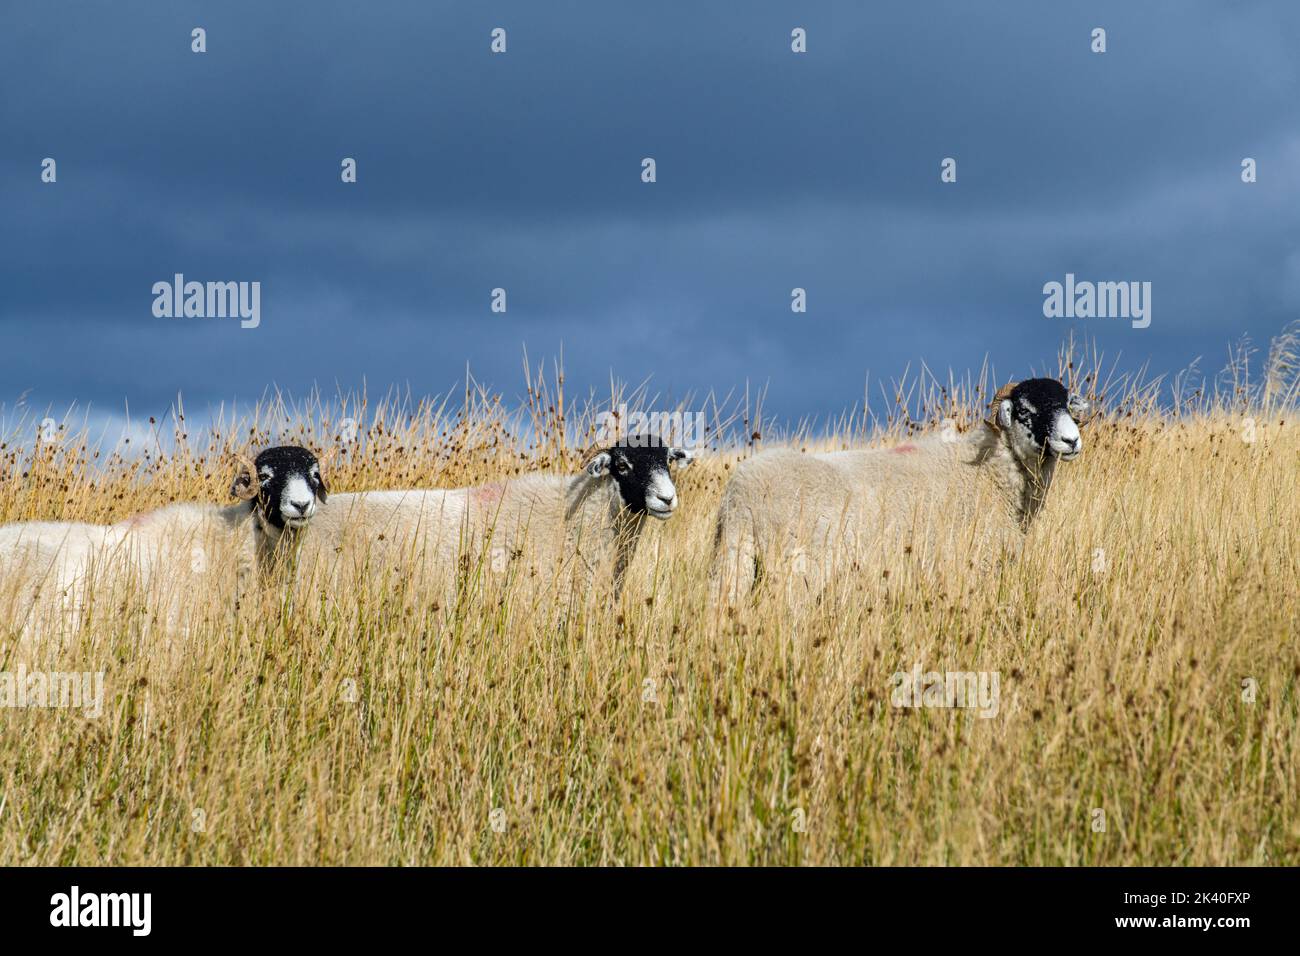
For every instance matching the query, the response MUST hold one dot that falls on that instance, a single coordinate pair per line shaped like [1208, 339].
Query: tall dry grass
[388, 726]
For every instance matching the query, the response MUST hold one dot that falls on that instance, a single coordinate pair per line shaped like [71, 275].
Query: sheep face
[641, 471]
[288, 485]
[1040, 419]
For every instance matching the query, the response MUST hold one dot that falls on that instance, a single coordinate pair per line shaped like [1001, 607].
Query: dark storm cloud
[522, 171]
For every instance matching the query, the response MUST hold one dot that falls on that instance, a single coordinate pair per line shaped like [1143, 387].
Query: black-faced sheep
[46, 568]
[817, 510]
[590, 522]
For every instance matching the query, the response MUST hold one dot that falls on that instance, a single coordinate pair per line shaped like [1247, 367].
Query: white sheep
[49, 568]
[49, 558]
[814, 512]
[279, 493]
[589, 522]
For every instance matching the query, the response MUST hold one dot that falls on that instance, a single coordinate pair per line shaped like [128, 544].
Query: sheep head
[640, 470]
[1039, 418]
[283, 486]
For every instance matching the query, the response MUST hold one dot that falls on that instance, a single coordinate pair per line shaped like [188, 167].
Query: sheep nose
[1073, 443]
[300, 506]
[668, 499]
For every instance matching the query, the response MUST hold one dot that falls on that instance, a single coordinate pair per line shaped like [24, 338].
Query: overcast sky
[523, 171]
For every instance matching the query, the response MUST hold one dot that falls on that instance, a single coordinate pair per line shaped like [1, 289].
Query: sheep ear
[1078, 405]
[598, 466]
[322, 492]
[683, 457]
[1001, 419]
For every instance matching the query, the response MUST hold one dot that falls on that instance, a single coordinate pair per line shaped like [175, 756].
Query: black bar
[337, 906]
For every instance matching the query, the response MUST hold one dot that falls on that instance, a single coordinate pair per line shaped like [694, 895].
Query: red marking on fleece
[488, 495]
[903, 449]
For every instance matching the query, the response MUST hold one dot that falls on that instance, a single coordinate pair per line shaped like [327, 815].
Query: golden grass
[383, 726]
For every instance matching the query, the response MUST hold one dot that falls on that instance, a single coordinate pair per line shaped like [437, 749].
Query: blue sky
[522, 171]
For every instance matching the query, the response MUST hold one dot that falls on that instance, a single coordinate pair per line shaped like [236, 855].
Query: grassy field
[1145, 644]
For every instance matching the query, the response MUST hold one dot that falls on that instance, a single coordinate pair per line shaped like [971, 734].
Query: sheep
[594, 518]
[49, 567]
[46, 556]
[816, 508]
[279, 493]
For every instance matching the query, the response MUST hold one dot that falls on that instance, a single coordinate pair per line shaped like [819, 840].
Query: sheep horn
[254, 483]
[1003, 393]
